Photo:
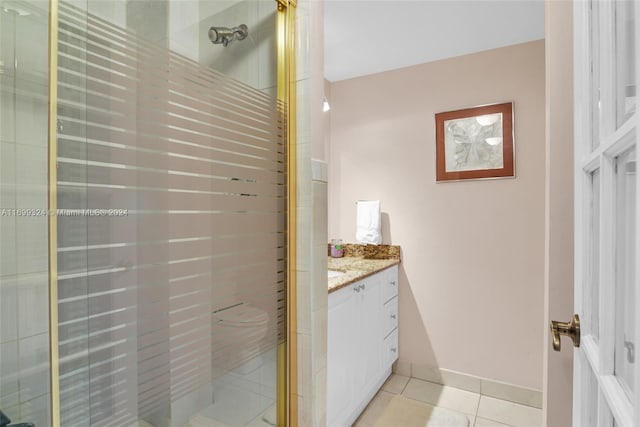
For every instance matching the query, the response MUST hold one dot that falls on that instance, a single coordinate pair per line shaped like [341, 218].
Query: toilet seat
[242, 315]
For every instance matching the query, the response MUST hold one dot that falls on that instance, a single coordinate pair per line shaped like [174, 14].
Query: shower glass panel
[24, 272]
[171, 187]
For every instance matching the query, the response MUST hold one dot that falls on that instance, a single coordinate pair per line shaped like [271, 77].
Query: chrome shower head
[223, 35]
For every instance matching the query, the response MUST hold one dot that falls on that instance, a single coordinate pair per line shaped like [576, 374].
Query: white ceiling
[370, 36]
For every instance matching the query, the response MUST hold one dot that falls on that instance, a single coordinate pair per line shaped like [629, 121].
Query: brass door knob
[570, 329]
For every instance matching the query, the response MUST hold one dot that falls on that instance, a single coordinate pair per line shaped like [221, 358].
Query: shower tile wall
[24, 307]
[253, 60]
[183, 28]
[312, 220]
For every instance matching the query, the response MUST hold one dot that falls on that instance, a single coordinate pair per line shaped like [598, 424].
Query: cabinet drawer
[390, 321]
[390, 349]
[389, 283]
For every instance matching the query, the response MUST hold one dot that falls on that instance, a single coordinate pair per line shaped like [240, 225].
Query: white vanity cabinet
[362, 344]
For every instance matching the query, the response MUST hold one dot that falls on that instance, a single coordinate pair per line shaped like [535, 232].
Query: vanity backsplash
[369, 251]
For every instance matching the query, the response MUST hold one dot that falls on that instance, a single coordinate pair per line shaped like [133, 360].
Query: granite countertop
[355, 268]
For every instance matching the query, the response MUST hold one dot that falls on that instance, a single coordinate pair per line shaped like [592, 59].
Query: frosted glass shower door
[24, 269]
[172, 232]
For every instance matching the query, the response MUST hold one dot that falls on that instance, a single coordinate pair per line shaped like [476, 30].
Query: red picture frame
[475, 143]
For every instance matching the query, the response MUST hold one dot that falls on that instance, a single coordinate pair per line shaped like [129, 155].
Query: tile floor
[482, 411]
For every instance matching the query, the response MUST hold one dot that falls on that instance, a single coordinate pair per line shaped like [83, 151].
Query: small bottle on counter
[337, 251]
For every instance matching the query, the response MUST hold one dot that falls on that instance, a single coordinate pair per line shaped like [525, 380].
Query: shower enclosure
[145, 226]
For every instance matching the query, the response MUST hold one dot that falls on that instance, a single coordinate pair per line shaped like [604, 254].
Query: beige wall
[558, 367]
[472, 276]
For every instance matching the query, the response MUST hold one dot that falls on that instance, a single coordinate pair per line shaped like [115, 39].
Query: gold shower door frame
[287, 354]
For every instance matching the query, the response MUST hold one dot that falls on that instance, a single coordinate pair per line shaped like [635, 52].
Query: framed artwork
[475, 143]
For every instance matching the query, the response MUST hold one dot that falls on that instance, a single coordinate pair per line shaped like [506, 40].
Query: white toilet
[241, 382]
[240, 329]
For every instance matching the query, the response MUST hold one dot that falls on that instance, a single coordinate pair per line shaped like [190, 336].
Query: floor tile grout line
[478, 407]
[477, 410]
[479, 393]
[405, 385]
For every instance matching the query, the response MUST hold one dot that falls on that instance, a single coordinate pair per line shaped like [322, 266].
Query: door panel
[625, 269]
[625, 73]
[593, 76]
[591, 298]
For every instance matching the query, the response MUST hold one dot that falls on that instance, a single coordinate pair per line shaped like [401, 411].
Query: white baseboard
[483, 386]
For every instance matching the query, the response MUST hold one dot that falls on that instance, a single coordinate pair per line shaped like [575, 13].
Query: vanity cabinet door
[362, 343]
[342, 353]
[368, 338]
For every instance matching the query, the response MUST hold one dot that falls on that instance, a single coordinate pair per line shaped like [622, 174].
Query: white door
[607, 292]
